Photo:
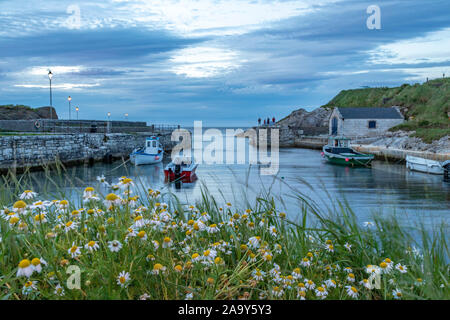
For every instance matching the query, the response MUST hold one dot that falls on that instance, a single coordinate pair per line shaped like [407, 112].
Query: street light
[126, 116]
[50, 76]
[109, 122]
[77, 109]
[70, 99]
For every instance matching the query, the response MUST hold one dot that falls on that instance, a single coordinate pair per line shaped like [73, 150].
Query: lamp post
[77, 109]
[109, 122]
[126, 116]
[69, 99]
[50, 76]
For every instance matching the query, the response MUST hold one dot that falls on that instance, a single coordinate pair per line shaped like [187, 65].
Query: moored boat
[151, 153]
[180, 167]
[424, 165]
[338, 151]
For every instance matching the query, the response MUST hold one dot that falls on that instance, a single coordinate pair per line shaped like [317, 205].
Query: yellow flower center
[89, 189]
[111, 197]
[141, 234]
[383, 265]
[35, 262]
[20, 204]
[14, 220]
[157, 266]
[91, 243]
[24, 263]
[178, 268]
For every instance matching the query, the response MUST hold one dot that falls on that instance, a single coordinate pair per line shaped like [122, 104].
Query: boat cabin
[339, 145]
[152, 145]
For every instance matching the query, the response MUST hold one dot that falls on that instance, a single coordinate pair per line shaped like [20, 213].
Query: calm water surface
[384, 188]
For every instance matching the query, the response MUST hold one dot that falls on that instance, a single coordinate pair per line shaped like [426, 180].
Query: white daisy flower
[102, 180]
[212, 228]
[59, 291]
[114, 246]
[74, 251]
[123, 279]
[167, 242]
[401, 268]
[29, 287]
[321, 292]
[352, 291]
[28, 194]
[92, 246]
[397, 294]
[330, 283]
[37, 264]
[369, 224]
[25, 268]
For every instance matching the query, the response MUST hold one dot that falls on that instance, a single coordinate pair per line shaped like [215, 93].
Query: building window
[372, 124]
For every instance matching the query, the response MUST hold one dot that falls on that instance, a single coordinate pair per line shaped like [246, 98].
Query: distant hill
[21, 112]
[426, 106]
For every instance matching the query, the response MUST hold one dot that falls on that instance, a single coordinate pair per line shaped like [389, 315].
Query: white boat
[151, 153]
[424, 165]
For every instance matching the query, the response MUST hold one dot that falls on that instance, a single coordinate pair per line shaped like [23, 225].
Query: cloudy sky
[225, 62]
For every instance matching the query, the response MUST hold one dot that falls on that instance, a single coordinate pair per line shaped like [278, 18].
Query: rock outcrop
[405, 141]
[21, 112]
[307, 119]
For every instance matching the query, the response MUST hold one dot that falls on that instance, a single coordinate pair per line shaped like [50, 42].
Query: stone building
[354, 122]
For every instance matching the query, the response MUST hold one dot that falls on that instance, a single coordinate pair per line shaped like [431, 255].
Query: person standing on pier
[259, 121]
[273, 120]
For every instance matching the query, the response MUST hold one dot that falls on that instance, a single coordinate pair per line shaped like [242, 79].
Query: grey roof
[370, 113]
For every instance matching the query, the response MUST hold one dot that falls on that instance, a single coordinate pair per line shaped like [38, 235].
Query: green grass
[284, 242]
[427, 105]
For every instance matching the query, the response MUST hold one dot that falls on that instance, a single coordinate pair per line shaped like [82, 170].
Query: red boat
[180, 168]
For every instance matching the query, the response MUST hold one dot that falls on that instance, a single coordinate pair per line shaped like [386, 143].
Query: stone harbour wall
[21, 151]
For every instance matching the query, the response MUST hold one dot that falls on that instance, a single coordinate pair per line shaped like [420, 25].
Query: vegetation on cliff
[22, 112]
[426, 106]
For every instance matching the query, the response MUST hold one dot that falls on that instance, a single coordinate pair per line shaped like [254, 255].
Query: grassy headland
[426, 106]
[150, 245]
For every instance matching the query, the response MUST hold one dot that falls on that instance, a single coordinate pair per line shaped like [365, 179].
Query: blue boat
[151, 153]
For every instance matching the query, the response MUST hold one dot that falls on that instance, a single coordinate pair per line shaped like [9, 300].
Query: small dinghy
[151, 153]
[424, 165]
[180, 167]
[338, 151]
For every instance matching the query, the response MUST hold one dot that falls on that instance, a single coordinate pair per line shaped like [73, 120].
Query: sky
[224, 62]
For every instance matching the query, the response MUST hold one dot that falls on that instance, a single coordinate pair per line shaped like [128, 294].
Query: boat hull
[144, 158]
[184, 174]
[424, 165]
[353, 162]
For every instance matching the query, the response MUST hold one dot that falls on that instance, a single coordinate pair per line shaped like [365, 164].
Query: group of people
[266, 121]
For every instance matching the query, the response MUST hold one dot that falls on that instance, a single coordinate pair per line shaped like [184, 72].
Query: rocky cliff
[21, 112]
[307, 119]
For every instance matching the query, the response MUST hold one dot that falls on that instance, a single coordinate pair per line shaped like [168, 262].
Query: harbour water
[384, 188]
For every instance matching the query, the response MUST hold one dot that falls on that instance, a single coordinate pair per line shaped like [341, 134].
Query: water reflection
[385, 187]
